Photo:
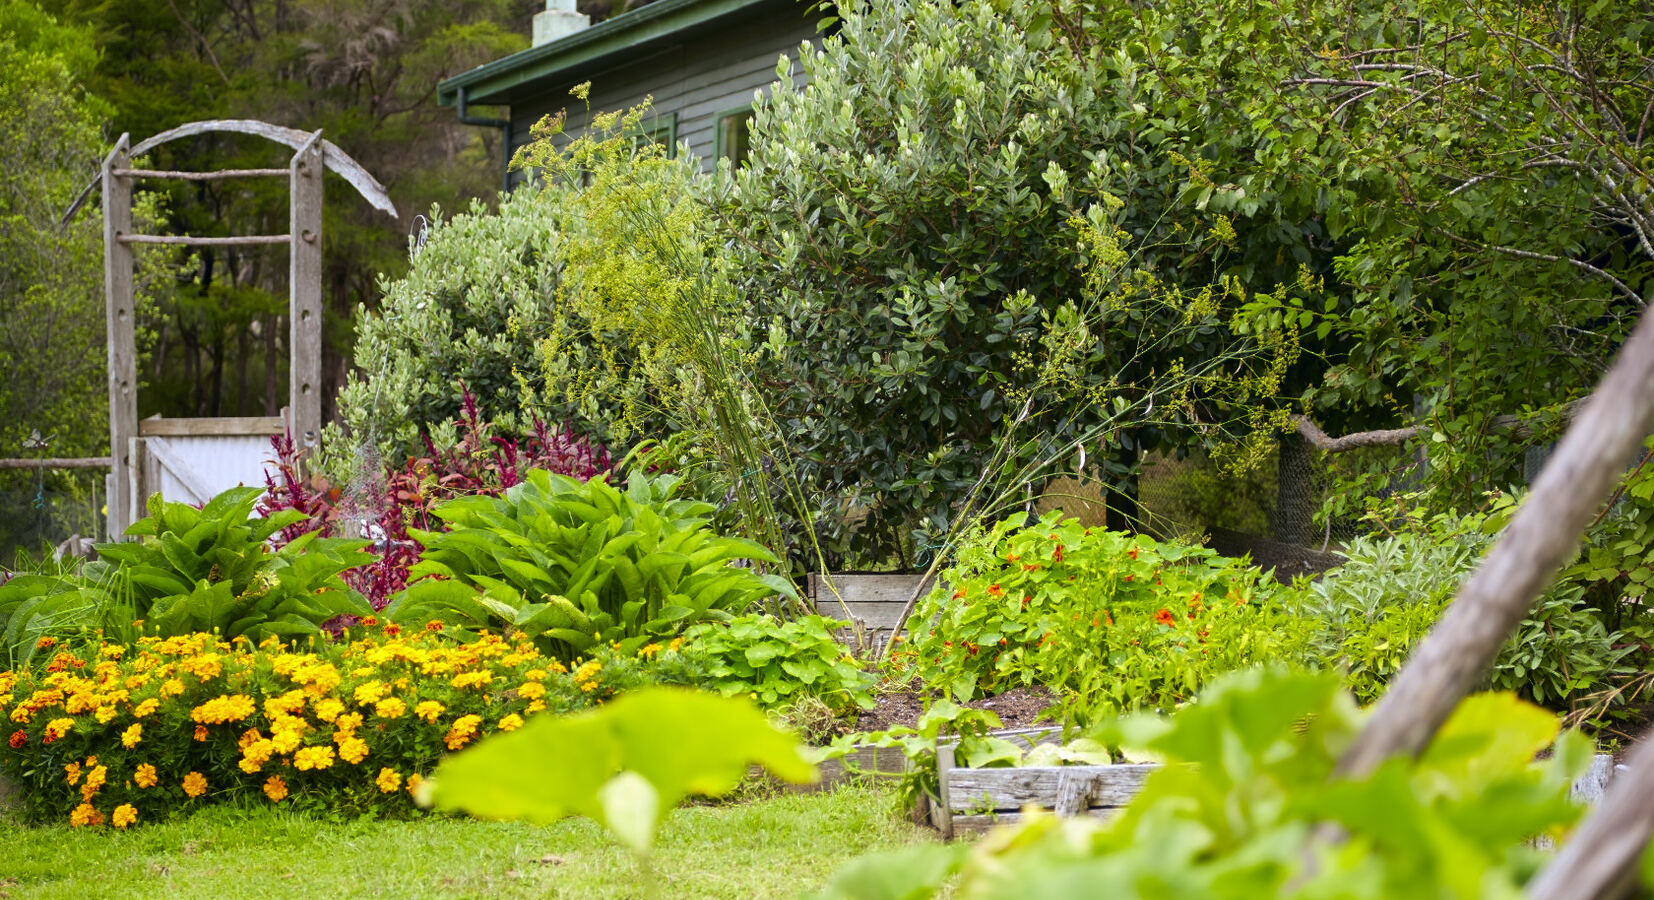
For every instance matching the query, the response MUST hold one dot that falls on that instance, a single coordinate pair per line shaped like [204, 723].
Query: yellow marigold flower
[414, 781]
[288, 704]
[172, 687]
[275, 788]
[511, 722]
[248, 738]
[8, 680]
[145, 776]
[84, 815]
[361, 672]
[79, 702]
[390, 708]
[96, 778]
[22, 714]
[648, 650]
[131, 736]
[146, 708]
[535, 674]
[588, 670]
[256, 754]
[558, 667]
[222, 709]
[353, 750]
[105, 714]
[57, 728]
[532, 690]
[369, 693]
[429, 710]
[329, 709]
[124, 815]
[388, 781]
[195, 784]
[348, 722]
[472, 679]
[73, 773]
[677, 643]
[313, 758]
[536, 706]
[461, 731]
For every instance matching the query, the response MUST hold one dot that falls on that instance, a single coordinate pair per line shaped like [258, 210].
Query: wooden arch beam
[332, 157]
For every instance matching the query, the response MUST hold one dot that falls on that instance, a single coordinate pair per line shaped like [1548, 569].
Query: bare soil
[1017, 708]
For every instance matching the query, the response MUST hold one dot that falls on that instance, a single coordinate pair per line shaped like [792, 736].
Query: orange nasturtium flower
[1165, 618]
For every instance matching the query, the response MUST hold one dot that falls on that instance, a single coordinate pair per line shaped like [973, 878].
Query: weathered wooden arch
[145, 456]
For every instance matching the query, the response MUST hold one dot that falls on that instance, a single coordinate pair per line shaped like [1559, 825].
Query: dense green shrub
[484, 307]
[581, 564]
[1380, 604]
[778, 662]
[207, 569]
[1111, 621]
[968, 218]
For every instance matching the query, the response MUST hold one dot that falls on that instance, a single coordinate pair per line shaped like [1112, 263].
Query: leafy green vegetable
[574, 564]
[777, 662]
[624, 765]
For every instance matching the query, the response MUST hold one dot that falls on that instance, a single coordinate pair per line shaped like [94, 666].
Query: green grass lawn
[776, 847]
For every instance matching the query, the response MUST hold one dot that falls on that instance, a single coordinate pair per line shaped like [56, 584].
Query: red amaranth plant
[479, 463]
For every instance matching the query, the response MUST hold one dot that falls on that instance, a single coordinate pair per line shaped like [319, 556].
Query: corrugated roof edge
[484, 83]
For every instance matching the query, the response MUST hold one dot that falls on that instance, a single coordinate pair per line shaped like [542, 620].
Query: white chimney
[558, 21]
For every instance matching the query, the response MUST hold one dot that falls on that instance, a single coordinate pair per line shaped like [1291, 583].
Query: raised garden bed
[972, 801]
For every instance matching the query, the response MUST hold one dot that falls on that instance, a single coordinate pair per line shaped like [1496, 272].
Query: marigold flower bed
[132, 733]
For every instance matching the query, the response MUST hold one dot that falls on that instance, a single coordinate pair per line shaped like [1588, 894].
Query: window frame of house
[661, 129]
[720, 147]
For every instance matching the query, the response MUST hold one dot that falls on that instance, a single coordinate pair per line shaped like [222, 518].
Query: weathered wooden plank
[304, 283]
[193, 241]
[1003, 789]
[56, 462]
[225, 426]
[220, 175]
[977, 824]
[120, 323]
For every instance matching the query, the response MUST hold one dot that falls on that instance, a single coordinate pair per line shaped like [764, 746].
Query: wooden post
[123, 351]
[305, 287]
[1599, 860]
[1541, 538]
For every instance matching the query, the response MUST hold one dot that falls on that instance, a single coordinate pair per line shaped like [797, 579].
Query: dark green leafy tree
[363, 71]
[978, 228]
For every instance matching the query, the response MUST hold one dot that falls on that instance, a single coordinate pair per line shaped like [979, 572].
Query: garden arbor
[199, 457]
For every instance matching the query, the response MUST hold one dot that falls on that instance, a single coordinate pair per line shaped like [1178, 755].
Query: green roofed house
[702, 62]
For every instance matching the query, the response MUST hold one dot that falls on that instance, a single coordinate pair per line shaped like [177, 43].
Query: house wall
[696, 80]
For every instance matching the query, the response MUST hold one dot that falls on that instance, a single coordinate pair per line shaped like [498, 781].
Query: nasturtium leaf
[676, 742]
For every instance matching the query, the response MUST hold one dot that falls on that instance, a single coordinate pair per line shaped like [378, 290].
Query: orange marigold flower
[195, 784]
[414, 781]
[353, 750]
[200, 732]
[461, 731]
[146, 708]
[388, 781]
[275, 788]
[72, 775]
[124, 815]
[57, 728]
[393, 629]
[1165, 617]
[433, 626]
[144, 777]
[84, 815]
[18, 739]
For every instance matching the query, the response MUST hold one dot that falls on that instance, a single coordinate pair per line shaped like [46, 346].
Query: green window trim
[730, 135]
[663, 130]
